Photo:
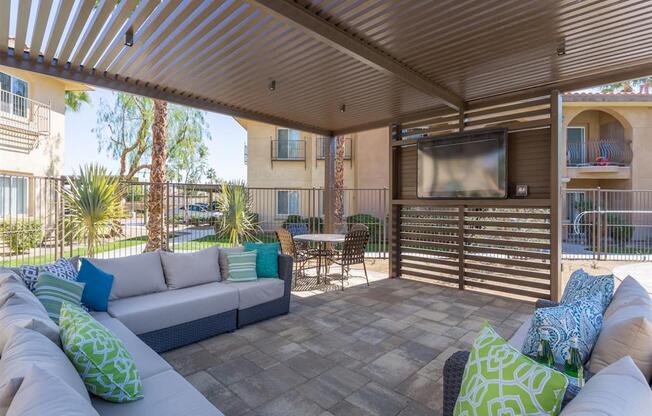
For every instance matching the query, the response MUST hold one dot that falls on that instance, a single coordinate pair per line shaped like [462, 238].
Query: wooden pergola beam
[118, 84]
[344, 42]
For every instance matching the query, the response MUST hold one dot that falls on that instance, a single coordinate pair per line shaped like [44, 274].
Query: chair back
[287, 243]
[297, 228]
[357, 226]
[353, 249]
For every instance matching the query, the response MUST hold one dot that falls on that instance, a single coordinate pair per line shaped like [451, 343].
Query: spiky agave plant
[237, 222]
[93, 203]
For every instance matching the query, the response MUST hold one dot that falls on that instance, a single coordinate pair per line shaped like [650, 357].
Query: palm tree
[237, 222]
[155, 203]
[93, 203]
[338, 181]
[75, 99]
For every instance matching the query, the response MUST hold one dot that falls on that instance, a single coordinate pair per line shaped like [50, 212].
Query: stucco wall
[47, 158]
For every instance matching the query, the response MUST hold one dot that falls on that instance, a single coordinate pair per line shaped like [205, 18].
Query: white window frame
[12, 91]
[9, 196]
[287, 194]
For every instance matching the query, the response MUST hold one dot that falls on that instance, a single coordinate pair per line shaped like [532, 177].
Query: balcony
[288, 150]
[599, 159]
[23, 122]
[321, 148]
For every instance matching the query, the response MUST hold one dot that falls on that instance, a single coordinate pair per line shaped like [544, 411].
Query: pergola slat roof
[385, 60]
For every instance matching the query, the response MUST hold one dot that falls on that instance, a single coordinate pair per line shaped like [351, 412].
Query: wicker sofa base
[183, 334]
[276, 307]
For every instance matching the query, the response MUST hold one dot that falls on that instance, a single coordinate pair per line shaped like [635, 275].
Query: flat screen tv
[465, 165]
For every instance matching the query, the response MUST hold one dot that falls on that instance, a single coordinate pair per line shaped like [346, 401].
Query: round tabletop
[642, 272]
[320, 238]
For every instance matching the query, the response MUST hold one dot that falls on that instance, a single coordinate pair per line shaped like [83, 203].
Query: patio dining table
[323, 254]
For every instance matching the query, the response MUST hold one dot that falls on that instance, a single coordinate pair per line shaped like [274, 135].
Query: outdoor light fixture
[129, 38]
[342, 108]
[561, 48]
[272, 85]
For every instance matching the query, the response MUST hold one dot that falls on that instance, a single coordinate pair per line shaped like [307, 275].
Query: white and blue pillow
[582, 285]
[62, 268]
[581, 319]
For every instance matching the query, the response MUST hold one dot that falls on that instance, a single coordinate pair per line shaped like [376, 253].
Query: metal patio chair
[299, 257]
[353, 252]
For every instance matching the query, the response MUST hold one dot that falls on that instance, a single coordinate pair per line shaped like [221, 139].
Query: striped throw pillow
[242, 266]
[53, 291]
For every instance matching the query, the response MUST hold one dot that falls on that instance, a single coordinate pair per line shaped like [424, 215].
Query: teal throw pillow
[499, 380]
[242, 266]
[98, 286]
[266, 258]
[101, 359]
[53, 291]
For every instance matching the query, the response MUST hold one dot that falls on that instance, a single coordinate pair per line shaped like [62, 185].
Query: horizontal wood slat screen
[494, 249]
[501, 246]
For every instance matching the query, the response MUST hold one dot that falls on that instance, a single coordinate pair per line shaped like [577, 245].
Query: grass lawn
[38, 259]
[201, 243]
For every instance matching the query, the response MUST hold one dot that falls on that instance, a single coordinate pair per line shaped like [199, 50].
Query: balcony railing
[321, 148]
[23, 122]
[601, 152]
[291, 150]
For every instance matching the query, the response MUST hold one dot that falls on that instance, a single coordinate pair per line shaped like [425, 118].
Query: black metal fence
[605, 224]
[34, 227]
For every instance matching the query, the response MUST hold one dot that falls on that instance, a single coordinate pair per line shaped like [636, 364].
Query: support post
[556, 136]
[394, 225]
[329, 183]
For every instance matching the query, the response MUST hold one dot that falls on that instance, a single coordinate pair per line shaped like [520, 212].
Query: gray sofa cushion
[166, 394]
[147, 361]
[42, 393]
[191, 269]
[518, 339]
[148, 313]
[134, 275]
[26, 348]
[259, 291]
[19, 307]
[224, 261]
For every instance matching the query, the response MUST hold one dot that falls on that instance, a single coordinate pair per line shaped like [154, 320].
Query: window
[575, 143]
[13, 195]
[287, 202]
[14, 94]
[288, 144]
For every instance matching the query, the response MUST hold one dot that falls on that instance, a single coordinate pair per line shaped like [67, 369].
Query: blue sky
[226, 149]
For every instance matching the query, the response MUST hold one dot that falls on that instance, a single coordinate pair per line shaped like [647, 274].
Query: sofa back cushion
[626, 330]
[43, 393]
[19, 307]
[619, 389]
[133, 275]
[191, 269]
[26, 348]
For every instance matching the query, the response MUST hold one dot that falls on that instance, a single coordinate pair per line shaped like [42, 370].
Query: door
[576, 145]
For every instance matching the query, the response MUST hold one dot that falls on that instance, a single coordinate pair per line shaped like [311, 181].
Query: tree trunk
[156, 202]
[339, 182]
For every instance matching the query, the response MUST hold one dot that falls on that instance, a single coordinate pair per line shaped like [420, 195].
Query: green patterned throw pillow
[499, 380]
[52, 291]
[101, 359]
[242, 266]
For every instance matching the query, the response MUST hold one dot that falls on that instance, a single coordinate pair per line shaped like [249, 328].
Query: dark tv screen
[468, 165]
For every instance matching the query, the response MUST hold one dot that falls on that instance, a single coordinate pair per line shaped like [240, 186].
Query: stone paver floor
[375, 350]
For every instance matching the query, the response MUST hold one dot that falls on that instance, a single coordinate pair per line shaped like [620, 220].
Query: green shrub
[373, 223]
[315, 224]
[22, 235]
[292, 219]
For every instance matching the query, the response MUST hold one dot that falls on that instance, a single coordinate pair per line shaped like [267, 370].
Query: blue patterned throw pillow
[62, 269]
[582, 319]
[582, 285]
[29, 274]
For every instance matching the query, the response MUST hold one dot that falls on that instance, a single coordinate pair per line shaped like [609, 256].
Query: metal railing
[35, 230]
[602, 152]
[321, 148]
[288, 149]
[23, 122]
[602, 224]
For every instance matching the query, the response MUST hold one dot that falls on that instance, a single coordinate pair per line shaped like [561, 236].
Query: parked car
[198, 212]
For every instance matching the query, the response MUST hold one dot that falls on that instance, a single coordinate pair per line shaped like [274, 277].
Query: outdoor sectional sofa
[150, 313]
